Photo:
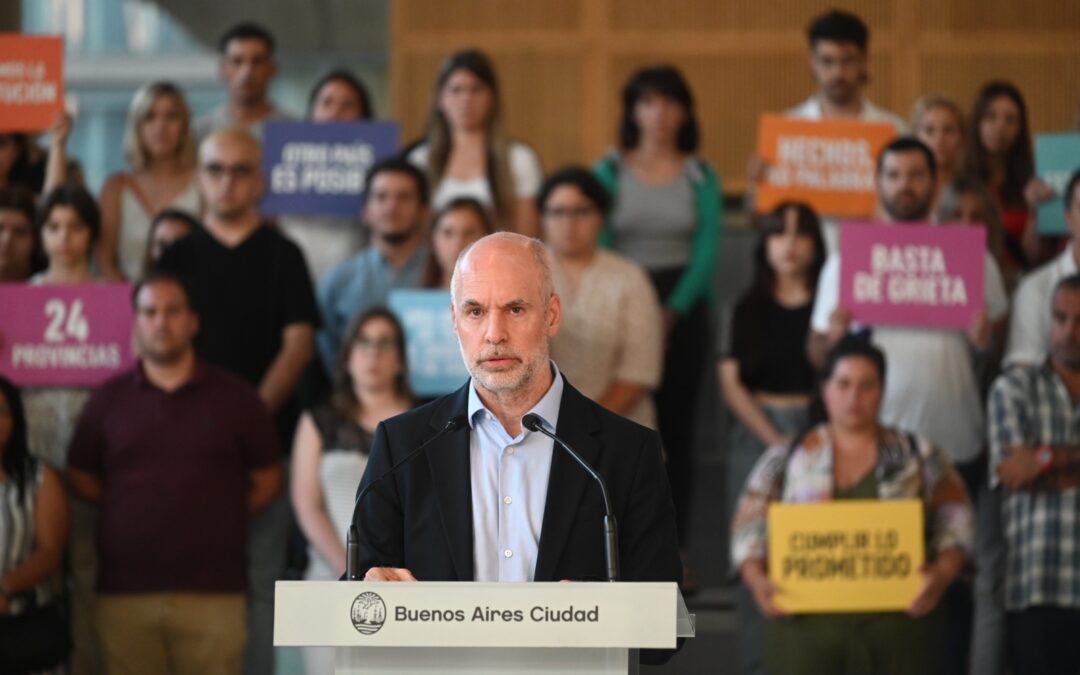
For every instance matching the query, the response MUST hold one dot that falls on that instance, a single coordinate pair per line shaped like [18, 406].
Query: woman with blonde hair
[159, 148]
[938, 121]
[465, 153]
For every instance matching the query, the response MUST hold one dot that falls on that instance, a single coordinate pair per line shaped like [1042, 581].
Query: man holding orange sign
[837, 119]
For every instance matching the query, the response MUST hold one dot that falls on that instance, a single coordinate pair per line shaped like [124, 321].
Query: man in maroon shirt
[177, 453]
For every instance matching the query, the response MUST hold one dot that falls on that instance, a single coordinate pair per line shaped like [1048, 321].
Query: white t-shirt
[810, 109]
[930, 383]
[525, 171]
[1029, 327]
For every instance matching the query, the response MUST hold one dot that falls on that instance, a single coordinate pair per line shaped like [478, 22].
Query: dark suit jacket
[421, 518]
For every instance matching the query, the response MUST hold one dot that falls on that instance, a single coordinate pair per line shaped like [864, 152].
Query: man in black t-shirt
[253, 292]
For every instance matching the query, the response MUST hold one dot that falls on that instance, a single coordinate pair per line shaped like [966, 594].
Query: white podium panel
[480, 661]
[433, 627]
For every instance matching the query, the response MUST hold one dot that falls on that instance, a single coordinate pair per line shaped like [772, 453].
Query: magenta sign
[65, 335]
[912, 275]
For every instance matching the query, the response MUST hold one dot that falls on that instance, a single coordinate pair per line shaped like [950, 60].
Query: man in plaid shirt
[1034, 432]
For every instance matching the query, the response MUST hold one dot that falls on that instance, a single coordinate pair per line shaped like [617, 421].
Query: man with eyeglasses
[259, 316]
[396, 210]
[247, 66]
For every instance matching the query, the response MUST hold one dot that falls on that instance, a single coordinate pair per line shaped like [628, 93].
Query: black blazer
[421, 518]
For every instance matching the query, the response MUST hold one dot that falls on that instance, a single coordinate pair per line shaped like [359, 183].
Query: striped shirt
[1030, 407]
[18, 508]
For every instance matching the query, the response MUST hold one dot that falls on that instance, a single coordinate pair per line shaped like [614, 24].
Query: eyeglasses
[576, 213]
[217, 170]
[379, 345]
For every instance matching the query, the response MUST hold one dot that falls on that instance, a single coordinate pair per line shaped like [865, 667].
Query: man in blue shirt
[498, 502]
[396, 209]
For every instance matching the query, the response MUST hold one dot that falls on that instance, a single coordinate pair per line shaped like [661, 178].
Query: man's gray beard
[482, 377]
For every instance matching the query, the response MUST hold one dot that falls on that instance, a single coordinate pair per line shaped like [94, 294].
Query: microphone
[352, 540]
[532, 422]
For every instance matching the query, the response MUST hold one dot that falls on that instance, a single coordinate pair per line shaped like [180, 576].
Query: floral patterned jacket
[908, 467]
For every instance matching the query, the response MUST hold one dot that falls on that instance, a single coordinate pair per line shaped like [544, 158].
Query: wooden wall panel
[1049, 82]
[713, 15]
[491, 15]
[970, 16]
[563, 62]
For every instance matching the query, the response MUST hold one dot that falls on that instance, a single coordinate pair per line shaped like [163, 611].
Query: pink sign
[912, 275]
[69, 335]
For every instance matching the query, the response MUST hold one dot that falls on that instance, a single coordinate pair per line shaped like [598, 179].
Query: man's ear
[554, 314]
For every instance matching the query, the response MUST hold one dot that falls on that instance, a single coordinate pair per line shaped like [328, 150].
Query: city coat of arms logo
[368, 613]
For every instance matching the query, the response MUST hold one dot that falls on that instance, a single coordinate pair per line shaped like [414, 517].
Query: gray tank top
[654, 225]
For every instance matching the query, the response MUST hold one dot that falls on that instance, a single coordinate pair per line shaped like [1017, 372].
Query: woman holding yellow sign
[852, 457]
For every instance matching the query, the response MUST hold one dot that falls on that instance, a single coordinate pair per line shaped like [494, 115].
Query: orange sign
[827, 164]
[31, 81]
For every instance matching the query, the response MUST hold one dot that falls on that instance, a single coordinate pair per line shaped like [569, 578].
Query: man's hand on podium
[389, 574]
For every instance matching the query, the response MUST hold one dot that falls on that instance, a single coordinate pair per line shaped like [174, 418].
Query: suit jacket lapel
[567, 482]
[449, 461]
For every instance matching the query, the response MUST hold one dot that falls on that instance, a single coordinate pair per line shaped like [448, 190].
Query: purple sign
[319, 168]
[66, 335]
[912, 275]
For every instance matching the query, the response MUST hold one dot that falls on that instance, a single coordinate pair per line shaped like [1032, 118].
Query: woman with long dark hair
[33, 532]
[333, 440]
[465, 151]
[765, 375]
[666, 218]
[999, 153]
[69, 225]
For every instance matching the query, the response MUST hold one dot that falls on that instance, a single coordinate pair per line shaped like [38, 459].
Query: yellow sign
[846, 556]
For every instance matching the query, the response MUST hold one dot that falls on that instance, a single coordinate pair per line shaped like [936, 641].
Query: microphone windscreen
[532, 422]
[457, 422]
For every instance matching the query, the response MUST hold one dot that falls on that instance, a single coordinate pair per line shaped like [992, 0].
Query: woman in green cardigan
[667, 218]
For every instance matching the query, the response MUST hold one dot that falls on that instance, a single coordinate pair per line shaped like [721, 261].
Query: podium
[464, 627]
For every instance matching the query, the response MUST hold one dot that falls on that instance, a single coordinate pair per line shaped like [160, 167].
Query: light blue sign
[320, 169]
[435, 363]
[1057, 157]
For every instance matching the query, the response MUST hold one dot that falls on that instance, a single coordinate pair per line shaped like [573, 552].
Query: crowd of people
[151, 516]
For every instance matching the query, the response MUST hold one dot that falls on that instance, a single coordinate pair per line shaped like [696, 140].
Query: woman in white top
[69, 224]
[333, 441]
[327, 241]
[610, 343]
[160, 149]
[465, 153]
